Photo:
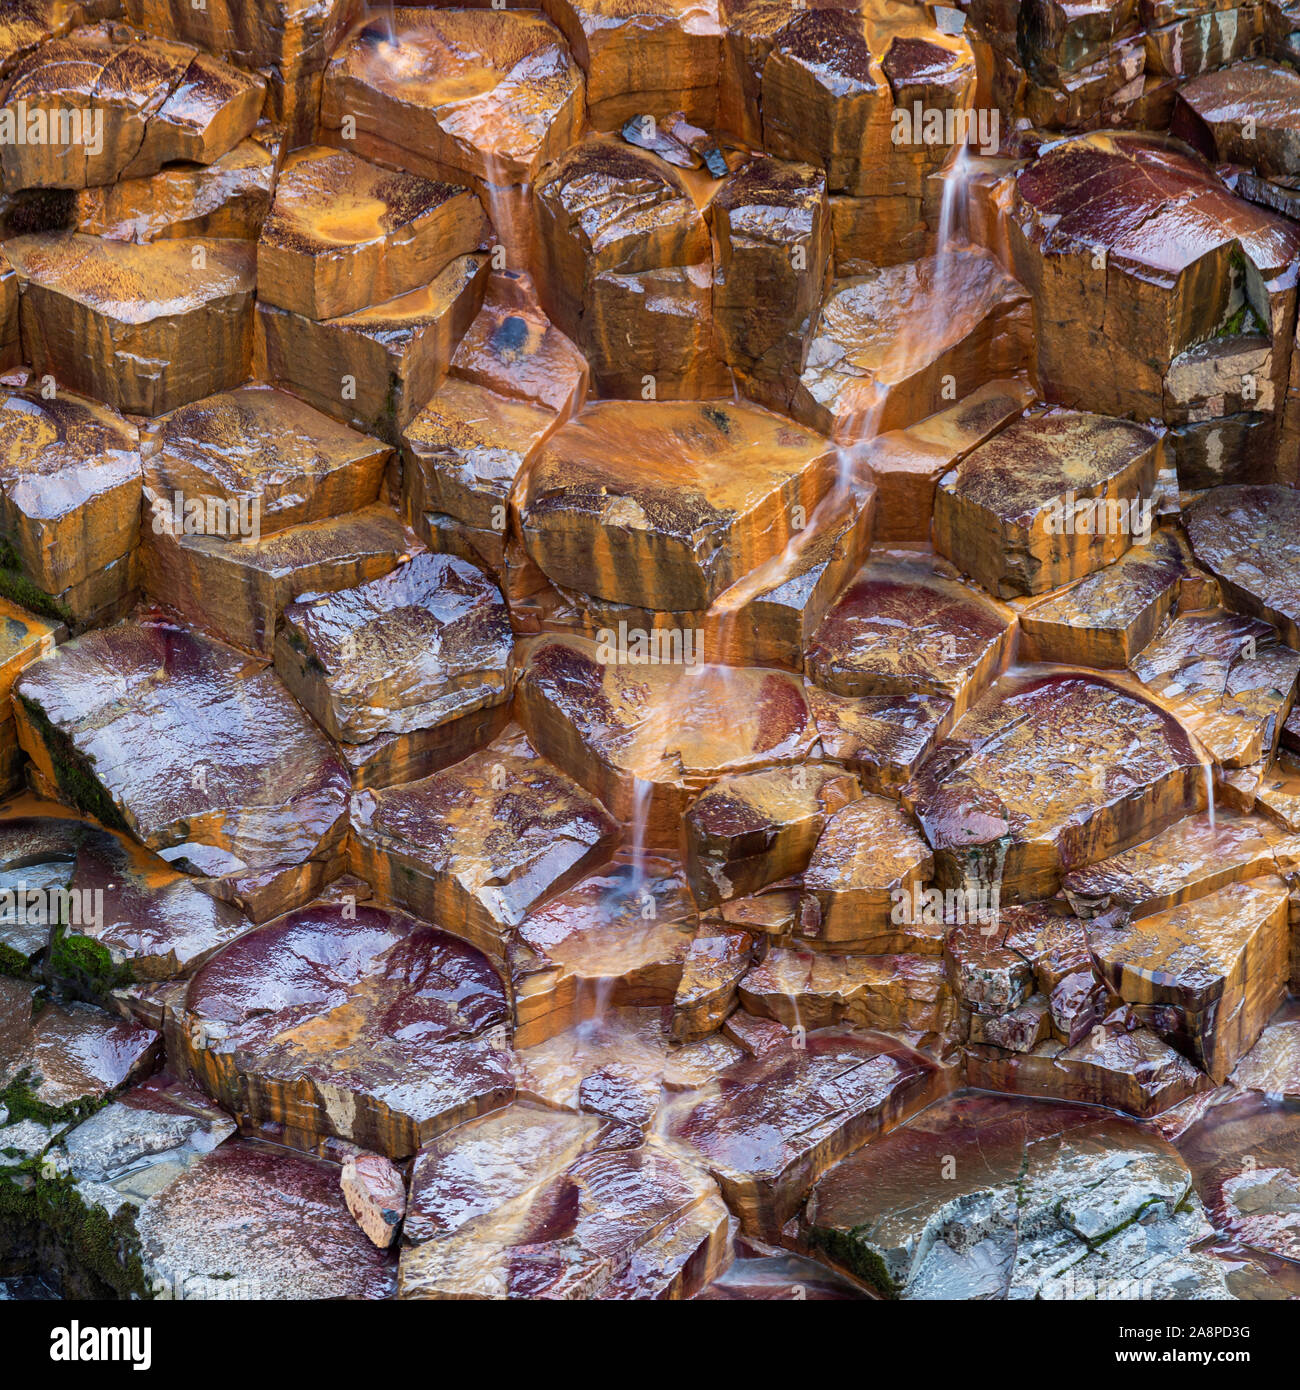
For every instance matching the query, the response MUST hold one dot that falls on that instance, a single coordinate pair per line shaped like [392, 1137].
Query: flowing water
[699, 699]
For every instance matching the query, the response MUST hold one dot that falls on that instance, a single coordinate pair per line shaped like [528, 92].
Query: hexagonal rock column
[354, 1022]
[198, 751]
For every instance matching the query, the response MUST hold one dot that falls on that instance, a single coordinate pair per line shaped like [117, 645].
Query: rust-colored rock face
[153, 103]
[223, 775]
[667, 505]
[171, 322]
[1000, 807]
[363, 1024]
[344, 233]
[649, 650]
[1134, 252]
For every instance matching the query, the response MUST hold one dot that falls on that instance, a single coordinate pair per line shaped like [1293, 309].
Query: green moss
[850, 1250]
[20, 1099]
[108, 1247]
[13, 962]
[86, 965]
[71, 770]
[16, 586]
[1245, 320]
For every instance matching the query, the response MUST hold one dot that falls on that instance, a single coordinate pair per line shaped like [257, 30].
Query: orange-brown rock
[907, 464]
[296, 1024]
[420, 648]
[621, 1065]
[771, 221]
[388, 759]
[625, 269]
[1052, 498]
[646, 739]
[892, 345]
[1206, 974]
[1246, 537]
[620, 938]
[24, 636]
[766, 617]
[903, 994]
[909, 625]
[477, 846]
[513, 349]
[67, 1059]
[1214, 112]
[1021, 1029]
[1108, 617]
[1228, 679]
[770, 1126]
[170, 322]
[208, 112]
[531, 1205]
[666, 505]
[99, 105]
[10, 336]
[863, 879]
[69, 493]
[375, 368]
[882, 738]
[1277, 795]
[195, 749]
[462, 457]
[236, 586]
[750, 830]
[643, 56]
[375, 1191]
[987, 976]
[825, 101]
[871, 232]
[228, 198]
[287, 35]
[715, 964]
[344, 234]
[1189, 860]
[982, 797]
[128, 916]
[1127, 243]
[29, 23]
[1199, 42]
[259, 457]
[482, 96]
[1134, 1071]
[773, 912]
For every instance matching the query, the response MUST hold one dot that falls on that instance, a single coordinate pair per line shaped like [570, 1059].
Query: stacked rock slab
[255, 498]
[368, 279]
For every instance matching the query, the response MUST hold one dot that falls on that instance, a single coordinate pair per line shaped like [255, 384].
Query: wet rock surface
[266, 821]
[959, 795]
[356, 1023]
[983, 1197]
[648, 650]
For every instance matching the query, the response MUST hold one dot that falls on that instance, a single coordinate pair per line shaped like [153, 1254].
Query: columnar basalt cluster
[648, 649]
